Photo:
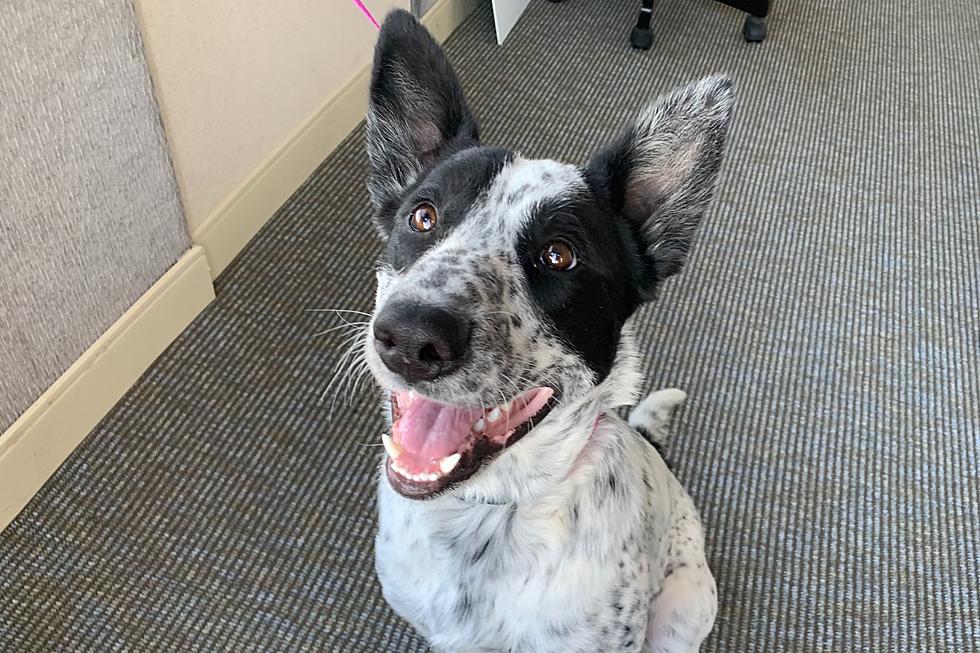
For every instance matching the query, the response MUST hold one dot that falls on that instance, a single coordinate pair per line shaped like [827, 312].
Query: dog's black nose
[420, 342]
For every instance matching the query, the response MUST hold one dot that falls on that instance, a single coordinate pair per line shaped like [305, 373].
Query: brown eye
[423, 218]
[559, 255]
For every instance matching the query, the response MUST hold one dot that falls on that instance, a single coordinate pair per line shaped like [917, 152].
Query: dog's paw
[653, 415]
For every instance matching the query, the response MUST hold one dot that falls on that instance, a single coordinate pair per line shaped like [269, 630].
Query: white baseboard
[226, 231]
[34, 446]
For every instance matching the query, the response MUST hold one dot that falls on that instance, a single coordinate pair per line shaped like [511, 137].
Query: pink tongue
[528, 405]
[432, 430]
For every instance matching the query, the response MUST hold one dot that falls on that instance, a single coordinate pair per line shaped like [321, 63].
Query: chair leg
[754, 29]
[642, 36]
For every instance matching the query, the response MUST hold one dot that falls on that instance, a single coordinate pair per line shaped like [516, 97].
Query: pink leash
[367, 12]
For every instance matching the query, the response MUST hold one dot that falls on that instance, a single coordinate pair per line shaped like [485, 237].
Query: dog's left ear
[417, 111]
[661, 172]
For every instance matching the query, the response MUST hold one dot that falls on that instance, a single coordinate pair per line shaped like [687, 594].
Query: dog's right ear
[660, 173]
[417, 112]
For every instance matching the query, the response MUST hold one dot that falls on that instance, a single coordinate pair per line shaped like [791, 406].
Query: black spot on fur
[482, 551]
[511, 516]
[464, 605]
[656, 445]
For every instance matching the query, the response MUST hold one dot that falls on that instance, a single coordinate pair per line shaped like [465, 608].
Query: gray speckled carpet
[826, 331]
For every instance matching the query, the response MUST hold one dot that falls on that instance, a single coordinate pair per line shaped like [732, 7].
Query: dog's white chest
[577, 574]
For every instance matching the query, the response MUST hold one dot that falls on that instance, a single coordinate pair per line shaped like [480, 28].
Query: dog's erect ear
[660, 173]
[417, 111]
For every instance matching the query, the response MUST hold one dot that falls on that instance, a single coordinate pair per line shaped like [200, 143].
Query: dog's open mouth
[433, 445]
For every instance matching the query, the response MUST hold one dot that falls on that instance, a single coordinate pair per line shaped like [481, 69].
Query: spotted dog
[517, 511]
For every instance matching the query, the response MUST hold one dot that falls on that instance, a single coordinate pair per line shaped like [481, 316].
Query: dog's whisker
[338, 311]
[517, 389]
[355, 363]
[359, 373]
[353, 337]
[348, 358]
[363, 374]
[354, 371]
[347, 325]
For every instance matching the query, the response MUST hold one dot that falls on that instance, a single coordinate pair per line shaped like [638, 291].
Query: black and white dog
[517, 512]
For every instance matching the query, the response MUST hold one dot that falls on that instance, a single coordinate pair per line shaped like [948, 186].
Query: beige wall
[89, 214]
[235, 79]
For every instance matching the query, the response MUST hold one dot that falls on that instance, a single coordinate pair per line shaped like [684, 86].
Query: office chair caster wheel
[754, 29]
[641, 38]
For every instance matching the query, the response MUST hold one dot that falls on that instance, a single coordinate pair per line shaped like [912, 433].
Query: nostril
[429, 354]
[384, 338]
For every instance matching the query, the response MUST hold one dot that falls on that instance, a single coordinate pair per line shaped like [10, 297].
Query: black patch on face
[587, 304]
[451, 186]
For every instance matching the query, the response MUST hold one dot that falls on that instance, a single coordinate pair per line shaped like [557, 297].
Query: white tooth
[479, 425]
[399, 469]
[449, 463]
[393, 448]
[493, 415]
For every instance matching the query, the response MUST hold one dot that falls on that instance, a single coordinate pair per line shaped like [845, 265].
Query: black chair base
[753, 30]
[641, 39]
[642, 36]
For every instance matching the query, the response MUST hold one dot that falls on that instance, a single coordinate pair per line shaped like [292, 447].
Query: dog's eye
[559, 255]
[423, 218]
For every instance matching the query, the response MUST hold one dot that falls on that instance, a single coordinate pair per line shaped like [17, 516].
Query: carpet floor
[826, 331]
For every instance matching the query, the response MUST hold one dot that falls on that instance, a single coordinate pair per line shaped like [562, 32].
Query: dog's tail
[652, 416]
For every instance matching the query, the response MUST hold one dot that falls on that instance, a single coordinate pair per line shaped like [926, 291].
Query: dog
[517, 511]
